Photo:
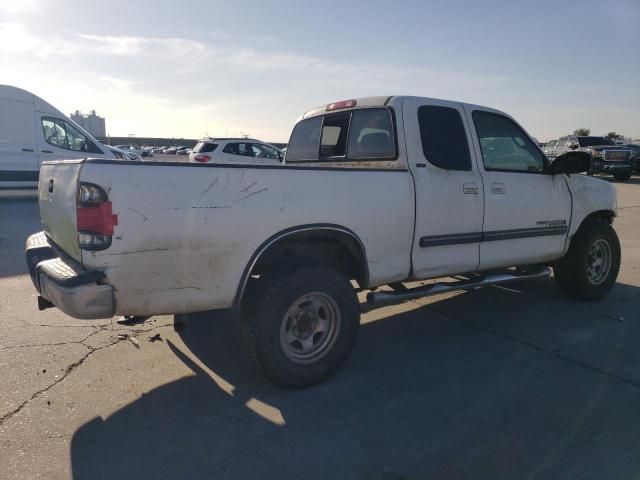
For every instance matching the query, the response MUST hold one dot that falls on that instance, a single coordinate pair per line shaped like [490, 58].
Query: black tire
[622, 177]
[573, 273]
[267, 323]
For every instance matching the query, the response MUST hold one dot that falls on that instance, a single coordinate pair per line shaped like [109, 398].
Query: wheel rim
[599, 261]
[310, 327]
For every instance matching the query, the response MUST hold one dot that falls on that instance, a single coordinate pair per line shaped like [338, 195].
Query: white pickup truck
[376, 191]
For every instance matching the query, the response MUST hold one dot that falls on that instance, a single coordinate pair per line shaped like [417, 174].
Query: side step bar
[379, 299]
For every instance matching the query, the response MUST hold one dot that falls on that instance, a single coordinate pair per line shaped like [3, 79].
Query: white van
[32, 131]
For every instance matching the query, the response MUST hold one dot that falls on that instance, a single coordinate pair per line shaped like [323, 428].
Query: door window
[444, 140]
[62, 134]
[264, 151]
[505, 146]
[242, 149]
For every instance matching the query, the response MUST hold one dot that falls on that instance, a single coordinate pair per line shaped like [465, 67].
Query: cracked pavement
[502, 382]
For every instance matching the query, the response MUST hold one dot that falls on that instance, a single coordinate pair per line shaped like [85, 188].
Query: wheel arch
[311, 236]
[598, 216]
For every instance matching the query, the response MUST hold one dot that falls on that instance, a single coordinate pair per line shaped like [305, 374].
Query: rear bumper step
[379, 299]
[65, 284]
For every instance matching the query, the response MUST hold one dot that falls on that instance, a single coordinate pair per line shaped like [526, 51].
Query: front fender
[590, 195]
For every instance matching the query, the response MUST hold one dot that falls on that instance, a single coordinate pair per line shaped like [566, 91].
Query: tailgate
[57, 192]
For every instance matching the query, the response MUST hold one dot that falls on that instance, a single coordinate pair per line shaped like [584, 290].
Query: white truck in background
[33, 131]
[379, 190]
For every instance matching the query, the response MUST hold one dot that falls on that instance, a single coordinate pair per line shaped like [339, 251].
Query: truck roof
[9, 92]
[381, 101]
[360, 102]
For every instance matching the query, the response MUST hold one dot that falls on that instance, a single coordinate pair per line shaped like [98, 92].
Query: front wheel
[591, 266]
[301, 325]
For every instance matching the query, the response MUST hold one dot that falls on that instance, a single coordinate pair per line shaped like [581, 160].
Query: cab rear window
[365, 134]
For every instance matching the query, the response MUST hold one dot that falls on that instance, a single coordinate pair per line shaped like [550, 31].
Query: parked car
[170, 150]
[32, 131]
[606, 156]
[183, 151]
[235, 150]
[549, 149]
[122, 154]
[635, 149]
[134, 149]
[375, 191]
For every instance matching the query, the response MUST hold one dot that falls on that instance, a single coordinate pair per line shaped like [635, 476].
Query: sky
[194, 68]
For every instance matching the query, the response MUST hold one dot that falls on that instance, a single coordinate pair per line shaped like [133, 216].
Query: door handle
[47, 151]
[28, 150]
[498, 188]
[470, 188]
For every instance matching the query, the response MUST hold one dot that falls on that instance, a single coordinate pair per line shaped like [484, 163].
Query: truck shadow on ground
[493, 383]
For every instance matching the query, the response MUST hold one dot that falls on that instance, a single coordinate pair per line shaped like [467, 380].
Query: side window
[264, 151]
[444, 140]
[64, 135]
[333, 140]
[204, 147]
[77, 141]
[504, 145]
[371, 134]
[305, 138]
[54, 133]
[243, 149]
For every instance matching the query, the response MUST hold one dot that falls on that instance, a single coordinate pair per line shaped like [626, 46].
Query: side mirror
[573, 146]
[571, 162]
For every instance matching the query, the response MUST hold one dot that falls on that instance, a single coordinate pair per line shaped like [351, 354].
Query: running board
[379, 299]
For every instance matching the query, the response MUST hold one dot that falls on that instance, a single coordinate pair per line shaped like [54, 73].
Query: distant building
[91, 123]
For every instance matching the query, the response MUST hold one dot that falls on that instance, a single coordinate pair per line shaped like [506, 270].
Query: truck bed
[186, 233]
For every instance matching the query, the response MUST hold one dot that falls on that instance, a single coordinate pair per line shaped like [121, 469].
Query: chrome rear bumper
[65, 283]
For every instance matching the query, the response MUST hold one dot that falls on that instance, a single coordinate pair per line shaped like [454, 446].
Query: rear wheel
[591, 266]
[622, 177]
[301, 325]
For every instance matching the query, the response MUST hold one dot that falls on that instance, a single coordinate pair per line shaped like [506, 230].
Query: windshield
[594, 141]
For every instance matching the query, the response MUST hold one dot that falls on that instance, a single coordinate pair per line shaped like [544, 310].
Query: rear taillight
[95, 219]
[202, 158]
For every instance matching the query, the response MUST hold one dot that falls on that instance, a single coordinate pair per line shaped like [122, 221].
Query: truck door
[449, 197]
[527, 210]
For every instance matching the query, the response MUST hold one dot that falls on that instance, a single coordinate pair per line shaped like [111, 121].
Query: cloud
[215, 85]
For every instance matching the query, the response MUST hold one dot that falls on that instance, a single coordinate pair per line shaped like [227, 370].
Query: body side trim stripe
[477, 237]
[19, 175]
[275, 166]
